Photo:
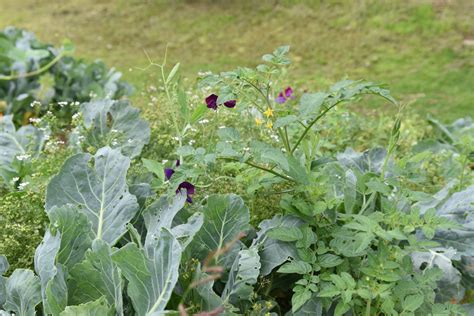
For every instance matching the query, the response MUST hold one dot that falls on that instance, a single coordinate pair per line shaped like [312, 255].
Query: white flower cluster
[23, 157]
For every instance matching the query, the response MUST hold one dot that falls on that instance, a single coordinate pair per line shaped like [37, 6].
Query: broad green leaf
[242, 276]
[412, 302]
[295, 266]
[53, 284]
[95, 277]
[286, 233]
[23, 292]
[93, 308]
[329, 291]
[285, 121]
[312, 307]
[155, 167]
[24, 143]
[341, 308]
[151, 275]
[100, 192]
[225, 217]
[299, 299]
[76, 233]
[275, 252]
[116, 124]
[310, 103]
[162, 213]
[329, 260]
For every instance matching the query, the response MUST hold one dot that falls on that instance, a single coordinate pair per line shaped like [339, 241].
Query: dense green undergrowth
[239, 195]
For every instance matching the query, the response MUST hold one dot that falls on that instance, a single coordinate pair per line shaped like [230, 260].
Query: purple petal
[178, 163]
[288, 92]
[211, 101]
[230, 103]
[190, 189]
[168, 173]
[280, 99]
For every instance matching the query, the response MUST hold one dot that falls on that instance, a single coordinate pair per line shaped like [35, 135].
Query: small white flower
[35, 120]
[114, 130]
[164, 161]
[191, 142]
[76, 116]
[22, 157]
[15, 179]
[221, 127]
[203, 121]
[35, 103]
[22, 185]
[62, 103]
[114, 143]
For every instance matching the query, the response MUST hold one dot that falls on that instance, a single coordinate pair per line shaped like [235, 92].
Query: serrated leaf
[100, 192]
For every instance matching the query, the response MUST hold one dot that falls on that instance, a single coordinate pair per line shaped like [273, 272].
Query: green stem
[261, 168]
[367, 310]
[311, 125]
[35, 72]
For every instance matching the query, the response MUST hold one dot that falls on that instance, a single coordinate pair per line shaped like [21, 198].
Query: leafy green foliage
[41, 73]
[357, 234]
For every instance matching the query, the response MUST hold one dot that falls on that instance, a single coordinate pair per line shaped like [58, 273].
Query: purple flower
[230, 104]
[280, 99]
[189, 190]
[168, 173]
[284, 96]
[211, 101]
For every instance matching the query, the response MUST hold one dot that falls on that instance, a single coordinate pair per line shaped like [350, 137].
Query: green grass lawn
[423, 50]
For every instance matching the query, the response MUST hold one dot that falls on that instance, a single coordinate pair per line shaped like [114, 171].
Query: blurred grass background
[424, 50]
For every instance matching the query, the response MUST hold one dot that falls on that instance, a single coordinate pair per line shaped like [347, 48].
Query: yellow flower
[268, 112]
[270, 124]
[258, 121]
